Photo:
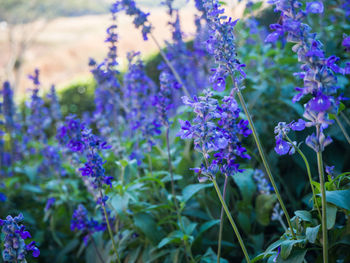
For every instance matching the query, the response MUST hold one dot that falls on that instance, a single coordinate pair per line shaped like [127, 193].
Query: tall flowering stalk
[221, 44]
[141, 21]
[181, 57]
[38, 119]
[87, 226]
[138, 88]
[216, 131]
[108, 91]
[10, 126]
[2, 143]
[163, 103]
[15, 248]
[79, 139]
[320, 81]
[54, 105]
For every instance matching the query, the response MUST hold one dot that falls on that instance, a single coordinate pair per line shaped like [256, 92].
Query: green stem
[221, 223]
[110, 230]
[324, 212]
[173, 70]
[263, 157]
[308, 173]
[346, 135]
[187, 247]
[345, 118]
[235, 229]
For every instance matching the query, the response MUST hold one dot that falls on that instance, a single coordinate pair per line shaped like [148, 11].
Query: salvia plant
[232, 145]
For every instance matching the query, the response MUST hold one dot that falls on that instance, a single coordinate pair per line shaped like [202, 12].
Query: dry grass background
[61, 50]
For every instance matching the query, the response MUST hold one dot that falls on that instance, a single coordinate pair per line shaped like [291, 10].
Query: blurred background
[59, 36]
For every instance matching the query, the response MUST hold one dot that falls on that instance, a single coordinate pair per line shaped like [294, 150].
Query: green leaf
[191, 190]
[272, 247]
[174, 237]
[245, 184]
[297, 256]
[311, 233]
[190, 228]
[339, 198]
[261, 256]
[208, 225]
[331, 212]
[148, 226]
[32, 188]
[244, 222]
[287, 246]
[304, 215]
[120, 203]
[167, 178]
[263, 207]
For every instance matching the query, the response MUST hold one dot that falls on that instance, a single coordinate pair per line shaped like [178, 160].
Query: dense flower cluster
[138, 89]
[9, 125]
[81, 222]
[221, 44]
[38, 118]
[162, 101]
[216, 130]
[15, 249]
[54, 105]
[8, 106]
[318, 72]
[140, 18]
[79, 139]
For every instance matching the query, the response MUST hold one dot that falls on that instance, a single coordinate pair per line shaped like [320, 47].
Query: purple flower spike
[15, 249]
[216, 129]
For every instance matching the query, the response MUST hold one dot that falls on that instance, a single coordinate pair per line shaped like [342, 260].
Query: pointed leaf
[311, 233]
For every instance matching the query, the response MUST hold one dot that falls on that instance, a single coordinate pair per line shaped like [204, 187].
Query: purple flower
[38, 119]
[298, 126]
[31, 247]
[314, 7]
[264, 187]
[79, 139]
[330, 170]
[319, 103]
[221, 45]
[318, 143]
[282, 147]
[140, 18]
[3, 197]
[81, 222]
[216, 130]
[346, 43]
[139, 90]
[15, 249]
[54, 108]
[317, 71]
[50, 202]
